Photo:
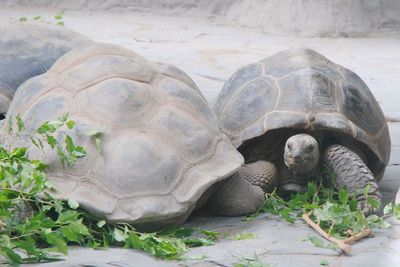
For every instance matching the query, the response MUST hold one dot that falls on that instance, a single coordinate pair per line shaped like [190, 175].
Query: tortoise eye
[289, 146]
[310, 148]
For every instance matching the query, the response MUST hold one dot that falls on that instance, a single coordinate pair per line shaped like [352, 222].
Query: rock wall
[322, 18]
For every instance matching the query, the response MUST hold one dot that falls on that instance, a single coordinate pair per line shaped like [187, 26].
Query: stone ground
[210, 51]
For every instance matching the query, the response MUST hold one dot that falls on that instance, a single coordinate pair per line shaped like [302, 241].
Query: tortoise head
[301, 154]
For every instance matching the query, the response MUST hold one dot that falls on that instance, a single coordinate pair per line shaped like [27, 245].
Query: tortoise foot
[352, 173]
[235, 196]
[261, 173]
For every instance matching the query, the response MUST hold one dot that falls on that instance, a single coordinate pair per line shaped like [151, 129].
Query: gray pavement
[210, 51]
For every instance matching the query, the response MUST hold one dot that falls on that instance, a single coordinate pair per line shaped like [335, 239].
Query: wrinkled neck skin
[301, 157]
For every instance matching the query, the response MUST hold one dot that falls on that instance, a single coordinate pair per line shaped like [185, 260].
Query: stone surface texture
[210, 51]
[334, 17]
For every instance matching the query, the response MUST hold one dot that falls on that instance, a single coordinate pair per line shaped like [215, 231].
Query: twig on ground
[360, 235]
[346, 248]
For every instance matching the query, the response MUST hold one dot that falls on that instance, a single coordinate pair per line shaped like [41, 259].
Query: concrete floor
[210, 51]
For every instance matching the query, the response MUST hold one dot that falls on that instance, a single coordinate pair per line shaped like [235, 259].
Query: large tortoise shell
[161, 143]
[28, 50]
[301, 89]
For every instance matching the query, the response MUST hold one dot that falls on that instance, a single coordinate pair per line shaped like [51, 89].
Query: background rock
[323, 18]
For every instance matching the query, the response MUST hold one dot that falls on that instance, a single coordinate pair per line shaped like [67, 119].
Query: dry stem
[360, 235]
[340, 243]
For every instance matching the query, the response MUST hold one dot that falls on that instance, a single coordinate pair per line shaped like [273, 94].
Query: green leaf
[96, 136]
[119, 236]
[29, 246]
[10, 254]
[372, 218]
[60, 23]
[59, 15]
[94, 133]
[68, 216]
[197, 257]
[70, 124]
[353, 204]
[51, 141]
[75, 231]
[37, 17]
[98, 144]
[250, 262]
[375, 203]
[243, 236]
[58, 205]
[133, 241]
[388, 209]
[63, 119]
[210, 234]
[324, 262]
[396, 211]
[10, 125]
[101, 223]
[69, 144]
[22, 19]
[285, 214]
[311, 189]
[79, 152]
[316, 241]
[73, 204]
[44, 128]
[54, 239]
[343, 196]
[18, 152]
[198, 242]
[20, 123]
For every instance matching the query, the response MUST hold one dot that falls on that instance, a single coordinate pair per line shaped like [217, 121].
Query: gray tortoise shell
[301, 89]
[28, 50]
[161, 143]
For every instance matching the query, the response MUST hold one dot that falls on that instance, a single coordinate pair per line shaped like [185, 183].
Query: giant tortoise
[294, 112]
[30, 49]
[162, 152]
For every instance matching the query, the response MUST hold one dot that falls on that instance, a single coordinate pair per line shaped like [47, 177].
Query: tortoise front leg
[261, 173]
[353, 174]
[243, 192]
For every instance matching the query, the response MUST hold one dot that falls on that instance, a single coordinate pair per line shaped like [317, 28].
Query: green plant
[56, 19]
[335, 213]
[35, 227]
[392, 209]
[324, 262]
[244, 236]
[250, 262]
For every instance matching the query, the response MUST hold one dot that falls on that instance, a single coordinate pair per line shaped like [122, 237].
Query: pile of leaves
[334, 212]
[35, 227]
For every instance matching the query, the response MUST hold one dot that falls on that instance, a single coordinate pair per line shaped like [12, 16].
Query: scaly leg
[353, 174]
[261, 173]
[242, 193]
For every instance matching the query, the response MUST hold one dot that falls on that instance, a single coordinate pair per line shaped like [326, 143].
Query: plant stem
[346, 248]
[360, 235]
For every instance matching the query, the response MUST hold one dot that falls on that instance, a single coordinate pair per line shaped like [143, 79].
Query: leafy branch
[334, 215]
[49, 133]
